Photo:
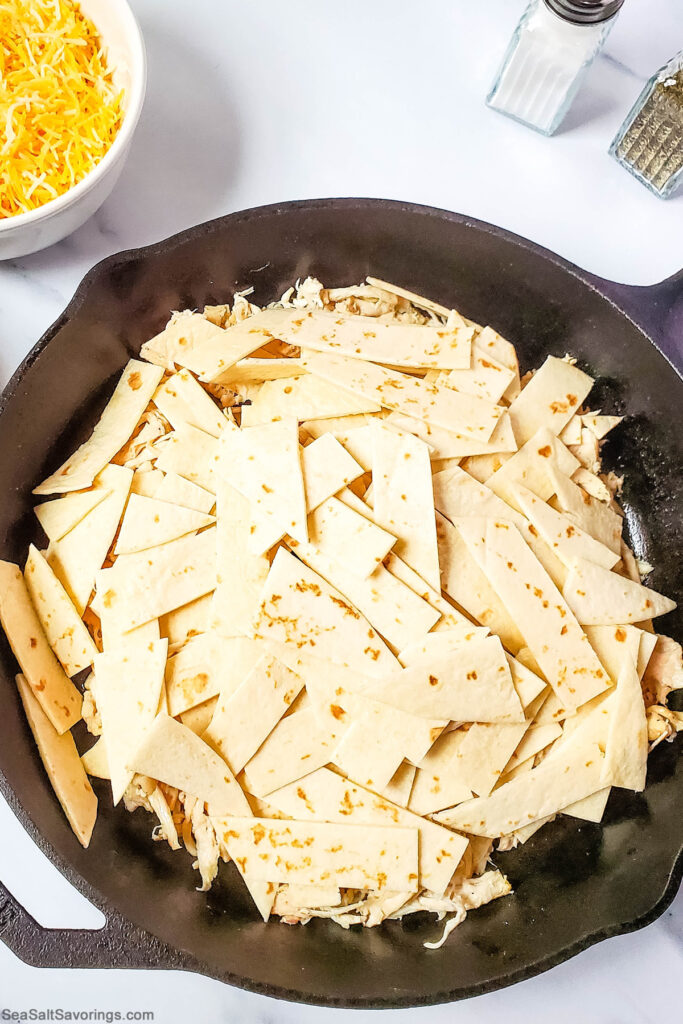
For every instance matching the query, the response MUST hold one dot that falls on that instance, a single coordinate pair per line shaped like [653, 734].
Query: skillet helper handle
[657, 309]
[117, 944]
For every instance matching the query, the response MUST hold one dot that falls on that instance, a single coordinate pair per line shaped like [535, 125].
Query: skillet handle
[117, 944]
[657, 309]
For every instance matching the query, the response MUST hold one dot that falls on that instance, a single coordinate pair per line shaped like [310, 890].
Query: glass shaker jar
[649, 143]
[549, 54]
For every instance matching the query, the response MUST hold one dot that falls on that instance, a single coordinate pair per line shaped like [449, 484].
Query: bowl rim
[138, 65]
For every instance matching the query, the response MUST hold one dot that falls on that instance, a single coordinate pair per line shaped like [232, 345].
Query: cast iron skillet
[575, 883]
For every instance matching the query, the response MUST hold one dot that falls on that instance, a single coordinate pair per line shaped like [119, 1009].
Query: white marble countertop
[256, 103]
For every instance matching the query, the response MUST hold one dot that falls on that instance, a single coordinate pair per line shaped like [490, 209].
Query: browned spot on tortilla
[135, 381]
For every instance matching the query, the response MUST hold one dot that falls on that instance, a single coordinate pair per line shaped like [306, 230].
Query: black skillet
[575, 883]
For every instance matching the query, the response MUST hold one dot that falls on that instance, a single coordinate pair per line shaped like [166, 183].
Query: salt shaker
[549, 54]
[649, 143]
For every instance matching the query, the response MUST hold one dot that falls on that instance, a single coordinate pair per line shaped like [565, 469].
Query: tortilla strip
[558, 531]
[599, 597]
[149, 522]
[297, 746]
[121, 414]
[486, 377]
[240, 573]
[612, 643]
[54, 691]
[571, 434]
[114, 638]
[187, 621]
[76, 558]
[648, 642]
[183, 400]
[206, 666]
[127, 689]
[592, 515]
[305, 398]
[326, 796]
[66, 633]
[352, 432]
[451, 618]
[484, 753]
[527, 684]
[184, 334]
[458, 495]
[242, 723]
[475, 685]
[417, 300]
[340, 533]
[534, 740]
[600, 425]
[403, 500]
[550, 398]
[197, 718]
[191, 454]
[532, 466]
[178, 491]
[150, 583]
[256, 370]
[171, 753]
[446, 444]
[219, 349]
[626, 752]
[60, 515]
[311, 853]
[368, 754]
[327, 467]
[465, 414]
[300, 608]
[63, 766]
[395, 611]
[400, 785]
[95, 761]
[446, 643]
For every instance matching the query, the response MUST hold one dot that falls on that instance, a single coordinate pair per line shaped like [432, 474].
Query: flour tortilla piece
[150, 583]
[571, 434]
[305, 398]
[457, 495]
[612, 643]
[183, 400]
[179, 491]
[326, 796]
[76, 558]
[467, 585]
[400, 785]
[205, 666]
[393, 609]
[343, 535]
[527, 683]
[403, 499]
[187, 621]
[451, 618]
[591, 808]
[312, 853]
[549, 399]
[240, 574]
[191, 454]
[95, 761]
[213, 350]
[66, 633]
[171, 753]
[327, 467]
[592, 515]
[127, 688]
[600, 425]
[114, 638]
[484, 753]
[485, 377]
[241, 724]
[366, 753]
[118, 421]
[626, 753]
[197, 718]
[52, 688]
[352, 432]
[149, 522]
[417, 300]
[298, 607]
[297, 746]
[566, 540]
[472, 685]
[185, 333]
[550, 629]
[446, 643]
[488, 342]
[533, 466]
[535, 739]
[366, 337]
[464, 414]
[437, 782]
[444, 444]
[599, 597]
[63, 766]
[60, 515]
[648, 643]
[256, 370]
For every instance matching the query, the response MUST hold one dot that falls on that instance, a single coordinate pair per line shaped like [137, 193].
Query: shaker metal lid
[584, 12]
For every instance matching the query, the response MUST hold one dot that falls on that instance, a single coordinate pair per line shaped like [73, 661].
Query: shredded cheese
[59, 108]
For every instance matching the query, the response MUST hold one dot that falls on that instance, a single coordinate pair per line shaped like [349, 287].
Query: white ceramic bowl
[120, 32]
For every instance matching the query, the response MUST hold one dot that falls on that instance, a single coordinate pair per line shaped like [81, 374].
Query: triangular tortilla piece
[240, 574]
[536, 738]
[312, 853]
[472, 685]
[437, 781]
[626, 753]
[486, 377]
[326, 796]
[114, 638]
[648, 642]
[550, 398]
[305, 398]
[127, 688]
[327, 467]
[178, 491]
[395, 611]
[484, 753]
[591, 808]
[532, 466]
[571, 434]
[352, 432]
[149, 522]
[241, 724]
[206, 666]
[95, 761]
[464, 414]
[417, 300]
[66, 633]
[400, 785]
[54, 691]
[466, 584]
[599, 597]
[551, 631]
[297, 746]
[566, 539]
[185, 333]
[197, 718]
[403, 500]
[150, 583]
[444, 444]
[343, 535]
[187, 621]
[63, 766]
[298, 607]
[488, 342]
[125, 407]
[367, 753]
[60, 515]
[451, 618]
[367, 337]
[171, 753]
[527, 684]
[191, 454]
[214, 350]
[592, 515]
[76, 558]
[611, 644]
[183, 400]
[600, 425]
[458, 495]
[256, 370]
